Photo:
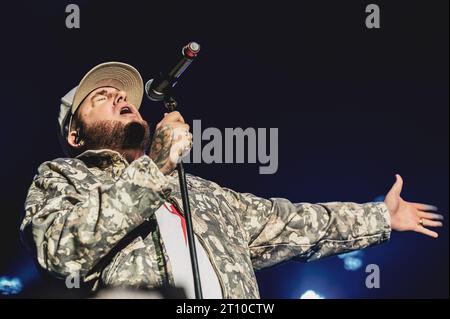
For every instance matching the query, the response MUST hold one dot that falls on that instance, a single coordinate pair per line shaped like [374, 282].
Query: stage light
[10, 286]
[352, 260]
[311, 294]
[352, 264]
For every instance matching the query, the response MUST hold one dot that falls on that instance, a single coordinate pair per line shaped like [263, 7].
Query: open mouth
[126, 110]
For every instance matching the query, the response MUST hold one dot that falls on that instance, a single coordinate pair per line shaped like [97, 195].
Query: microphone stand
[170, 103]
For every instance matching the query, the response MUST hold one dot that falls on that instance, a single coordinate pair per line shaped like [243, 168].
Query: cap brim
[119, 75]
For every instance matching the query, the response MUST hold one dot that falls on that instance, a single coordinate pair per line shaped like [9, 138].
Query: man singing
[111, 210]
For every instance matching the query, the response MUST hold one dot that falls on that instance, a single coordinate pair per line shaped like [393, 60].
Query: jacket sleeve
[278, 230]
[75, 221]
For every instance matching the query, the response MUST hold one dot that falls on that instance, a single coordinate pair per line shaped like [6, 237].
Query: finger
[430, 215]
[179, 150]
[431, 223]
[180, 126]
[180, 132]
[175, 155]
[174, 116]
[398, 184]
[425, 207]
[423, 230]
[396, 188]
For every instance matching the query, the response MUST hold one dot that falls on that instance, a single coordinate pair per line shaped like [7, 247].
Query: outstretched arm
[278, 230]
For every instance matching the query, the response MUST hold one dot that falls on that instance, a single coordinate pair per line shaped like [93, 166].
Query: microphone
[157, 88]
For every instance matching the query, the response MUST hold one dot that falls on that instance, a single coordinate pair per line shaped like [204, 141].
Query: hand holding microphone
[172, 141]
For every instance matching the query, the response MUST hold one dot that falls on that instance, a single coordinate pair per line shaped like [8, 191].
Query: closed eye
[99, 96]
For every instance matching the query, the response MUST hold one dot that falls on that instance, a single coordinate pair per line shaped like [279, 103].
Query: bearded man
[110, 210]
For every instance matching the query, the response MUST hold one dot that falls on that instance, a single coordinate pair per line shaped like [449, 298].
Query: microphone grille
[152, 94]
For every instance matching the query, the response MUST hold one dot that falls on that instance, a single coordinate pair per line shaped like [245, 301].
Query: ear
[71, 139]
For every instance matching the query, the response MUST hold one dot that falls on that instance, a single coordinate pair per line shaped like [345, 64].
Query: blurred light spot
[10, 286]
[311, 294]
[352, 260]
[352, 264]
[379, 198]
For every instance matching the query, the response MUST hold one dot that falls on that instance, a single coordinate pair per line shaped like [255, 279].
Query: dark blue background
[353, 107]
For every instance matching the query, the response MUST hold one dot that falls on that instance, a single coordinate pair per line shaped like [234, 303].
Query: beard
[116, 136]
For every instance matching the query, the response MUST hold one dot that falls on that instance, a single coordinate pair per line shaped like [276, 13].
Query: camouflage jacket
[78, 209]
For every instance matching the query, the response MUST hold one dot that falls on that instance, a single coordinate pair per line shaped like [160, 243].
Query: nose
[120, 97]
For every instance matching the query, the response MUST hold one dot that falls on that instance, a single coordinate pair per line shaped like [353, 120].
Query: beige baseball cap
[119, 75]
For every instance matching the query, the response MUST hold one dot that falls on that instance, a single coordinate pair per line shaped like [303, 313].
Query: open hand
[407, 216]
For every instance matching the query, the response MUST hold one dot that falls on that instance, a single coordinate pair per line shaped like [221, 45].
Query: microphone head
[157, 88]
[151, 93]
